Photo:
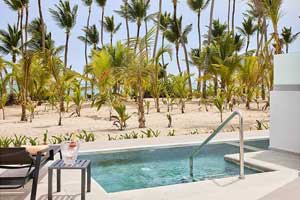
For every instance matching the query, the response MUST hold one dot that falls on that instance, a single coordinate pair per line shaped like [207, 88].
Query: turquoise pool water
[158, 167]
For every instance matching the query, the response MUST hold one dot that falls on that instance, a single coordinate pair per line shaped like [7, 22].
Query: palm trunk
[85, 51]
[228, 16]
[277, 39]
[177, 59]
[157, 29]
[137, 34]
[102, 18]
[287, 48]
[111, 39]
[187, 65]
[141, 111]
[26, 66]
[42, 26]
[209, 40]
[26, 25]
[146, 41]
[21, 29]
[126, 21]
[18, 20]
[248, 42]
[162, 45]
[233, 16]
[199, 41]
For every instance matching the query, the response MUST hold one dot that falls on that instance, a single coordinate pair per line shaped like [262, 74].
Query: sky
[290, 13]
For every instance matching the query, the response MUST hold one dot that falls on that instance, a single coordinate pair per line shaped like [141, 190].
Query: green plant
[33, 140]
[147, 105]
[57, 139]
[169, 117]
[45, 137]
[5, 142]
[20, 140]
[171, 132]
[260, 125]
[151, 133]
[134, 135]
[219, 103]
[111, 137]
[122, 117]
[86, 136]
[126, 136]
[195, 132]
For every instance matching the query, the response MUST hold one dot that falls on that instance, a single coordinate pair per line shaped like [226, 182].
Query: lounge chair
[21, 167]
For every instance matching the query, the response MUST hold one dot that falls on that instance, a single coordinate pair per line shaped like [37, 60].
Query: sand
[98, 122]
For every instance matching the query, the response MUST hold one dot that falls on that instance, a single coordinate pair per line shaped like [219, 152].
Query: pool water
[158, 167]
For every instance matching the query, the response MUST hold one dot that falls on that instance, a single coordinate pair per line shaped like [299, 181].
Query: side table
[83, 165]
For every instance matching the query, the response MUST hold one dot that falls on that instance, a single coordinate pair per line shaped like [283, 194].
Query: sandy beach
[98, 122]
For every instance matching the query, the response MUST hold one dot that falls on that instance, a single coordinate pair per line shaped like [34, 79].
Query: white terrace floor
[281, 184]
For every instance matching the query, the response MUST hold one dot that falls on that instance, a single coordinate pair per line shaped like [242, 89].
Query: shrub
[171, 132]
[19, 140]
[5, 142]
[33, 141]
[86, 136]
[122, 117]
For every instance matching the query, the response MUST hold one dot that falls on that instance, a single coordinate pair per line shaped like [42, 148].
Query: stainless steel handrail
[241, 136]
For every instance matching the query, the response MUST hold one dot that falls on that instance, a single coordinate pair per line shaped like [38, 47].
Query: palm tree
[91, 38]
[157, 28]
[65, 16]
[198, 6]
[208, 44]
[172, 35]
[137, 12]
[10, 44]
[102, 4]
[288, 37]
[111, 27]
[87, 3]
[247, 30]
[15, 5]
[233, 16]
[273, 11]
[228, 15]
[165, 20]
[123, 12]
[42, 26]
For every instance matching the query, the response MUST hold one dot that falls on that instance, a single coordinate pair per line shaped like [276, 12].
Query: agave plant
[122, 117]
[33, 141]
[19, 140]
[86, 136]
[5, 142]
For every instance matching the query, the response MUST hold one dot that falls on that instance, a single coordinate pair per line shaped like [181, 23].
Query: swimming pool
[138, 169]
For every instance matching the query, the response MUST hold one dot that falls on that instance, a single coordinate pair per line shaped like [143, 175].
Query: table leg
[89, 178]
[58, 180]
[50, 172]
[83, 177]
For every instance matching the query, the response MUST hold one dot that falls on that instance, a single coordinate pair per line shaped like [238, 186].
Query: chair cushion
[33, 150]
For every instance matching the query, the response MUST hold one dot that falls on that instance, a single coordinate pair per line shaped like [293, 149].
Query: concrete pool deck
[283, 182]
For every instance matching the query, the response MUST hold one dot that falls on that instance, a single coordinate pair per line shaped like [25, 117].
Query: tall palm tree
[206, 63]
[10, 41]
[42, 26]
[247, 30]
[157, 28]
[165, 20]
[273, 11]
[172, 35]
[123, 12]
[102, 4]
[110, 27]
[198, 6]
[137, 12]
[91, 38]
[228, 15]
[87, 3]
[15, 5]
[233, 17]
[288, 37]
[65, 16]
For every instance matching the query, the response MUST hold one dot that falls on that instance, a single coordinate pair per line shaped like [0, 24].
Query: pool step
[245, 146]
